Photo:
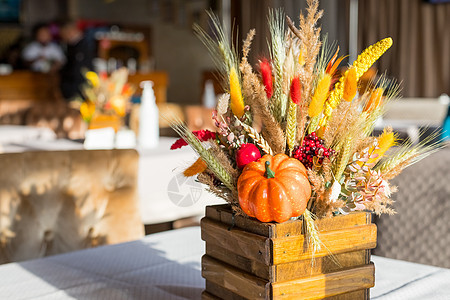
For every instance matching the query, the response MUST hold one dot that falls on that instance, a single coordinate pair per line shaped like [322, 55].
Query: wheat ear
[257, 138]
[212, 163]
[344, 157]
[291, 126]
[312, 232]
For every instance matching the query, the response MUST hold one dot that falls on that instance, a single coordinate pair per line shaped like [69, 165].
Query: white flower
[385, 187]
[335, 191]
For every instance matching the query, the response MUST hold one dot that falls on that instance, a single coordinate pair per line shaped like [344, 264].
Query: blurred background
[150, 35]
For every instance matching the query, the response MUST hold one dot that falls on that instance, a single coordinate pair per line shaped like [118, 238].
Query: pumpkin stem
[269, 173]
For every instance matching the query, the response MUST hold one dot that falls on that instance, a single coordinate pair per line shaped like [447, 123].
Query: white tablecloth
[10, 134]
[167, 266]
[164, 193]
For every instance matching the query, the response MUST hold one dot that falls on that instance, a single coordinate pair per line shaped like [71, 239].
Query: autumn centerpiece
[314, 159]
[106, 98]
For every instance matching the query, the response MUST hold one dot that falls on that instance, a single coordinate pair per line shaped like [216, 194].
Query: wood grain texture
[257, 260]
[208, 296]
[355, 295]
[234, 280]
[221, 292]
[325, 285]
[313, 287]
[320, 265]
[248, 265]
[223, 213]
[216, 292]
[243, 243]
[292, 270]
[338, 241]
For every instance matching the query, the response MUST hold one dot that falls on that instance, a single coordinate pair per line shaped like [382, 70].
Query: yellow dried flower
[350, 85]
[364, 61]
[236, 103]
[385, 141]
[320, 95]
[87, 110]
[301, 59]
[93, 78]
[369, 56]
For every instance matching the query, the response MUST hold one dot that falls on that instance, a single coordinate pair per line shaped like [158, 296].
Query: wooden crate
[254, 260]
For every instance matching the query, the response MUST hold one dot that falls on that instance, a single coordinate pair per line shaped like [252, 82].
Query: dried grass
[309, 40]
[224, 160]
[256, 97]
[219, 191]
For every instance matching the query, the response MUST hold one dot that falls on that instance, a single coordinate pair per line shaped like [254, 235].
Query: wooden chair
[58, 201]
[199, 117]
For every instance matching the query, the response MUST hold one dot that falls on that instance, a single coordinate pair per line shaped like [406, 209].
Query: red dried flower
[202, 135]
[296, 90]
[266, 73]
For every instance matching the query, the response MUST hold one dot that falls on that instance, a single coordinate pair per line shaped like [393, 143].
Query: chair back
[420, 231]
[58, 201]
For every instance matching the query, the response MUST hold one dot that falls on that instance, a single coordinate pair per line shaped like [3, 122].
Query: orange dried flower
[350, 85]
[374, 100]
[199, 166]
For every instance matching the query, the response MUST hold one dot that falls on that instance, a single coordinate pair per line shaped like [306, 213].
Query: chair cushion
[58, 201]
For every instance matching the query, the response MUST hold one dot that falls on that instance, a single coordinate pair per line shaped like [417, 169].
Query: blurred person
[80, 52]
[42, 55]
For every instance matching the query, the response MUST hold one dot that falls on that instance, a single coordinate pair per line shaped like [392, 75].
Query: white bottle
[148, 117]
[209, 95]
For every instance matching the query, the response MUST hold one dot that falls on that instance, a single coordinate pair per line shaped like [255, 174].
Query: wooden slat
[221, 292]
[295, 228]
[208, 296]
[343, 221]
[287, 249]
[216, 292]
[286, 229]
[338, 241]
[248, 265]
[224, 214]
[320, 265]
[234, 280]
[326, 285]
[292, 270]
[213, 211]
[356, 295]
[243, 243]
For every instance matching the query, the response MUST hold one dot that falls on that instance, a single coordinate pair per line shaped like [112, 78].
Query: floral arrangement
[105, 95]
[315, 156]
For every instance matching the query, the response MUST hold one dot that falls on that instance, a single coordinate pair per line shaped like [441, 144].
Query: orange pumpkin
[274, 188]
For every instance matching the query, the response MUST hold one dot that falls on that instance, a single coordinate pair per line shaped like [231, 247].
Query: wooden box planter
[254, 260]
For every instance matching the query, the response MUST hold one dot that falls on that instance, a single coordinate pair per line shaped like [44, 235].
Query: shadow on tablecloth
[135, 270]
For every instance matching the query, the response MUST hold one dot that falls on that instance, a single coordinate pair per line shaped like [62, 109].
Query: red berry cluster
[312, 147]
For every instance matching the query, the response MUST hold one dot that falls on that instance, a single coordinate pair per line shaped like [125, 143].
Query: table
[16, 134]
[167, 266]
[164, 193]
